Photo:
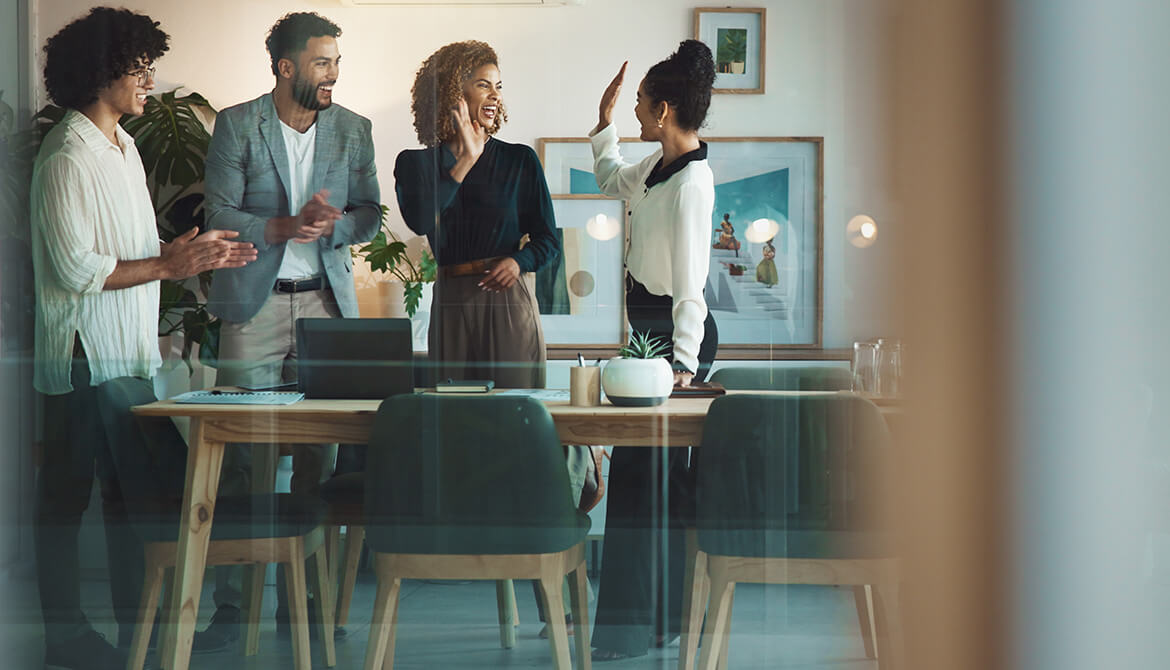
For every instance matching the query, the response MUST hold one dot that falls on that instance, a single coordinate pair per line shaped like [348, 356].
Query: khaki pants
[263, 350]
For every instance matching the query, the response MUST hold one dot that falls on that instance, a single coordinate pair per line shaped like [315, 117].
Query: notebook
[238, 398]
[354, 358]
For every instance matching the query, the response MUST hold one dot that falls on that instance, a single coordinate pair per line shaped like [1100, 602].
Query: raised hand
[470, 137]
[610, 97]
[191, 253]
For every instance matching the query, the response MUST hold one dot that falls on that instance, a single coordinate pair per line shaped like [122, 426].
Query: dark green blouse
[503, 197]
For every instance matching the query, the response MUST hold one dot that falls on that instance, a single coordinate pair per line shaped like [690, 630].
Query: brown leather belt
[476, 267]
[299, 285]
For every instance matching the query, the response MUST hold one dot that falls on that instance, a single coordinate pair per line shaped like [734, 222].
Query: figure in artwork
[766, 271]
[726, 236]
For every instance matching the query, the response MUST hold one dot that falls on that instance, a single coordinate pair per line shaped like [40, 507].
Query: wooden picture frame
[774, 178]
[737, 39]
[581, 297]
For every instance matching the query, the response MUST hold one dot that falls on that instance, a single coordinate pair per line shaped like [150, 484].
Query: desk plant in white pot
[639, 376]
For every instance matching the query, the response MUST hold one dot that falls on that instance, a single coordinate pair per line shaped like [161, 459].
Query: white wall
[821, 80]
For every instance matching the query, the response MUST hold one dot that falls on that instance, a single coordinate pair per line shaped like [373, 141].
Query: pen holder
[585, 386]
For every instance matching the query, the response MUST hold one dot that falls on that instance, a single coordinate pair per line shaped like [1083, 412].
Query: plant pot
[637, 382]
[736, 67]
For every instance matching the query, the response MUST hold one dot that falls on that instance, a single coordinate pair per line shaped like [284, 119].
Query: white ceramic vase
[637, 382]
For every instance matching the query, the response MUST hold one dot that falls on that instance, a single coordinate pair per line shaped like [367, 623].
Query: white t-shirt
[300, 260]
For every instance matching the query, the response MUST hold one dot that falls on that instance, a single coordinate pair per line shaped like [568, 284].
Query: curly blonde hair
[438, 87]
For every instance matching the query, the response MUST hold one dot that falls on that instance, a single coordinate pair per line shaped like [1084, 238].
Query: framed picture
[582, 295]
[764, 284]
[735, 36]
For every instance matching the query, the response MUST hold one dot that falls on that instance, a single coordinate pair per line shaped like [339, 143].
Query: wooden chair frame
[291, 551]
[549, 569]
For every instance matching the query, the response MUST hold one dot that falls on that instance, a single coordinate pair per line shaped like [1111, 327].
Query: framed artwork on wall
[736, 37]
[764, 283]
[581, 296]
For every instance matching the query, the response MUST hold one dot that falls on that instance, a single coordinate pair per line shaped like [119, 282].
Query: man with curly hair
[294, 174]
[97, 263]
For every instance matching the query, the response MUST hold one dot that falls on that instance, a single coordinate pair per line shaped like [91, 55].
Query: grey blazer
[246, 184]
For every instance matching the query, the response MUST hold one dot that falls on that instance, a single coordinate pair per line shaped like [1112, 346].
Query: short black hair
[96, 50]
[292, 32]
[684, 82]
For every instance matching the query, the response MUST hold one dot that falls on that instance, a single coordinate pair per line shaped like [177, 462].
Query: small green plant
[732, 47]
[642, 345]
[386, 253]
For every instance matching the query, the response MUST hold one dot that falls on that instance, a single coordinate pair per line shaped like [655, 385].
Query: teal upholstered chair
[471, 487]
[803, 378]
[790, 489]
[150, 459]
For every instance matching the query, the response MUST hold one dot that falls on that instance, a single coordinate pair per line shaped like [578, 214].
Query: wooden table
[679, 422]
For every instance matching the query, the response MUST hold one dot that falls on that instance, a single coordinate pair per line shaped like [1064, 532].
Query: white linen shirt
[91, 208]
[300, 260]
[670, 224]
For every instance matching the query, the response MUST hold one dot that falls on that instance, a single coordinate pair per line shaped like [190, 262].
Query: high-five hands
[190, 253]
[609, 99]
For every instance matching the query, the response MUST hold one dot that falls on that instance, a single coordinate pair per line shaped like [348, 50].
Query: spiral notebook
[238, 398]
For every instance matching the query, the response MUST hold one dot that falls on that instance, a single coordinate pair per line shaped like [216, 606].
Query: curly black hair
[96, 50]
[684, 82]
[292, 32]
[438, 87]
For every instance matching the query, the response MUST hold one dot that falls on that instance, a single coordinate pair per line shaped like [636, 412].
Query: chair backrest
[791, 475]
[468, 475]
[805, 378]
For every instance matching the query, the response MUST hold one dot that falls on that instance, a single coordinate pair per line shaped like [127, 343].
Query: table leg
[204, 459]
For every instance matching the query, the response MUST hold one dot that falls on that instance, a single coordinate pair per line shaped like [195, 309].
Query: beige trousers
[263, 350]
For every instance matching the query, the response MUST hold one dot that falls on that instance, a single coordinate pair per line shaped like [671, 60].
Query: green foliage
[388, 254]
[732, 46]
[641, 345]
[18, 151]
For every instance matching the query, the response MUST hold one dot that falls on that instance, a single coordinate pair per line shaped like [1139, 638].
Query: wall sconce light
[761, 230]
[602, 227]
[861, 231]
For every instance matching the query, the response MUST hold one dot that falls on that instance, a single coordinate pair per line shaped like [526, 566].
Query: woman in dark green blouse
[478, 200]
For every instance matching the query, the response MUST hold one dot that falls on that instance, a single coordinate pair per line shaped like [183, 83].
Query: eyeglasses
[143, 74]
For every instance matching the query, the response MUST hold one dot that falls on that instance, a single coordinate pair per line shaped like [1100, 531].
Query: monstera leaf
[172, 141]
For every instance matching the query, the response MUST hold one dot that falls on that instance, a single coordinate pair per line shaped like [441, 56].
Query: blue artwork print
[735, 289]
[583, 182]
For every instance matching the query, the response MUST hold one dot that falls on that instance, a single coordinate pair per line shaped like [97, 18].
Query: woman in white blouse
[671, 197]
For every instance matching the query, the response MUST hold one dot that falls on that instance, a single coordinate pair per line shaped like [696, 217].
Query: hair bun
[696, 59]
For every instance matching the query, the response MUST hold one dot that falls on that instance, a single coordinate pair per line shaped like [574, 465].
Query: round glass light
[761, 230]
[602, 227]
[861, 231]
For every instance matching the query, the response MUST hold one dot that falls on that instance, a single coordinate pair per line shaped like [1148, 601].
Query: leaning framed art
[736, 37]
[765, 278]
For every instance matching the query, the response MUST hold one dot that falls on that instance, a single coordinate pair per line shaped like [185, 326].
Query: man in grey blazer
[294, 174]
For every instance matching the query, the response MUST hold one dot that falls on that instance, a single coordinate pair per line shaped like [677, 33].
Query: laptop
[354, 358]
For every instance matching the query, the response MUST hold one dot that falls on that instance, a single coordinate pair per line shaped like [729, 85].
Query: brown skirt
[477, 334]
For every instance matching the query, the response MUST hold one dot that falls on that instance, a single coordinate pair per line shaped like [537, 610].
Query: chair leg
[506, 609]
[147, 606]
[579, 602]
[726, 646]
[718, 616]
[354, 539]
[551, 582]
[253, 601]
[323, 587]
[889, 625]
[384, 622]
[863, 600]
[695, 586]
[298, 605]
[166, 641]
[333, 549]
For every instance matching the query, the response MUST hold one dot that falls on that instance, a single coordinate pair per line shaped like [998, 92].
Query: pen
[580, 360]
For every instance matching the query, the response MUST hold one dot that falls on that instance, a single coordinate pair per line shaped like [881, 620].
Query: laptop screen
[354, 358]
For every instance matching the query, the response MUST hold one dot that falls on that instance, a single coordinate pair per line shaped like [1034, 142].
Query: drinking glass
[864, 367]
[889, 367]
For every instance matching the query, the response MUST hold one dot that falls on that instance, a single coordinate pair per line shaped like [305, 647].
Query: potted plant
[732, 50]
[408, 289]
[639, 376]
